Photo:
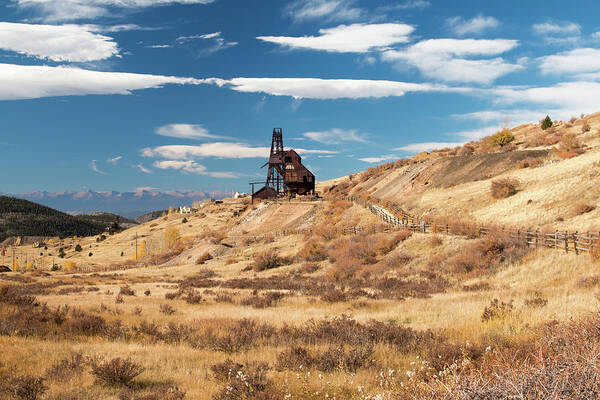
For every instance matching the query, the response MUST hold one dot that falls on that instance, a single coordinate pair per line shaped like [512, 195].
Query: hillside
[107, 219]
[557, 170]
[24, 218]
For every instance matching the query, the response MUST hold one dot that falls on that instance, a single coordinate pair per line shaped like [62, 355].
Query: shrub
[204, 258]
[90, 254]
[435, 241]
[184, 220]
[546, 122]
[502, 138]
[268, 260]
[116, 372]
[497, 310]
[78, 248]
[27, 387]
[569, 146]
[585, 127]
[162, 392]
[147, 292]
[530, 162]
[309, 268]
[582, 208]
[66, 368]
[313, 250]
[70, 265]
[167, 309]
[504, 187]
[126, 291]
[536, 301]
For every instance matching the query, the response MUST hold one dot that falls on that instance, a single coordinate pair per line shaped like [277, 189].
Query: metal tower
[275, 175]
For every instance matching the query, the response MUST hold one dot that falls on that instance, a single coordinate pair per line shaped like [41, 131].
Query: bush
[582, 208]
[585, 127]
[26, 387]
[167, 309]
[78, 248]
[116, 372]
[530, 162]
[313, 250]
[497, 310]
[546, 122]
[268, 260]
[502, 138]
[504, 187]
[126, 291]
[203, 258]
[184, 220]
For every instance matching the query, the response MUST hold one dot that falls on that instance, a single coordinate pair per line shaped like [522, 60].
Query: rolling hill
[24, 218]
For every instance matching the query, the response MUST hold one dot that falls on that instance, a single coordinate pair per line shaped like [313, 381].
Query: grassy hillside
[24, 218]
[557, 175]
[107, 219]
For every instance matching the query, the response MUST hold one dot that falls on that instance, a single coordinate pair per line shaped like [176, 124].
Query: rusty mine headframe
[286, 175]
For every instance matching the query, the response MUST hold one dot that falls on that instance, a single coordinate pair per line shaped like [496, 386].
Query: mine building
[286, 176]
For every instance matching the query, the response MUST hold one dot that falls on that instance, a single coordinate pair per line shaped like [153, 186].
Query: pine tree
[546, 123]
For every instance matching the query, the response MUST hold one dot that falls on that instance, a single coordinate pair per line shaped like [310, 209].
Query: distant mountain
[127, 204]
[20, 217]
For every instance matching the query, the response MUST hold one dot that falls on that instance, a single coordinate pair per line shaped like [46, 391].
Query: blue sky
[175, 95]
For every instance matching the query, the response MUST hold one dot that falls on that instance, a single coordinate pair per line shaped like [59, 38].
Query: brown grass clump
[126, 291]
[504, 187]
[203, 258]
[268, 260]
[569, 146]
[244, 382]
[435, 240]
[588, 281]
[497, 310]
[167, 309]
[25, 387]
[488, 252]
[536, 301]
[160, 392]
[313, 250]
[581, 208]
[531, 162]
[116, 372]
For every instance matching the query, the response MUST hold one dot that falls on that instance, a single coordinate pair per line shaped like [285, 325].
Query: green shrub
[116, 372]
[78, 248]
[546, 122]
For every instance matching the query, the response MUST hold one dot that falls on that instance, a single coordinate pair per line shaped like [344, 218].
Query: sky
[184, 94]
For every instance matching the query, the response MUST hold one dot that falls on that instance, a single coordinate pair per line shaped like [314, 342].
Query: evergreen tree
[546, 123]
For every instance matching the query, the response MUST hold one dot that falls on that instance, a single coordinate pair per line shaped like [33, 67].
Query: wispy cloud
[193, 168]
[30, 82]
[71, 43]
[330, 10]
[69, 10]
[94, 167]
[186, 131]
[143, 169]
[355, 38]
[335, 136]
[473, 26]
[217, 42]
[407, 5]
[315, 88]
[557, 28]
[427, 146]
[375, 160]
[574, 62]
[216, 150]
[452, 60]
[114, 160]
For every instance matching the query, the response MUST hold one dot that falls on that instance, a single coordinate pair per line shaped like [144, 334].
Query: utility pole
[136, 254]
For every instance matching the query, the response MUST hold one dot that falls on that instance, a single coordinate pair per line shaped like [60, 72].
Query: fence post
[537, 240]
[566, 241]
[575, 243]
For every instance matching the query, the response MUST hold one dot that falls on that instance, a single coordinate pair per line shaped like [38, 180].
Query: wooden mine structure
[286, 174]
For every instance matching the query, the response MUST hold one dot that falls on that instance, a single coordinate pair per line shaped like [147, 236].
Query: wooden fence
[568, 241]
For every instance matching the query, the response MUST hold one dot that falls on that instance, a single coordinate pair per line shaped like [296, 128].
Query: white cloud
[219, 43]
[427, 146]
[335, 136]
[332, 10]
[192, 167]
[374, 160]
[355, 38]
[557, 28]
[445, 59]
[30, 82]
[68, 10]
[596, 35]
[185, 131]
[159, 46]
[94, 167]
[73, 43]
[566, 98]
[473, 26]
[315, 88]
[407, 5]
[507, 117]
[218, 150]
[115, 160]
[143, 169]
[576, 61]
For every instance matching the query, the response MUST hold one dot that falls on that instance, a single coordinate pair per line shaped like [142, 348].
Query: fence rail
[576, 242]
